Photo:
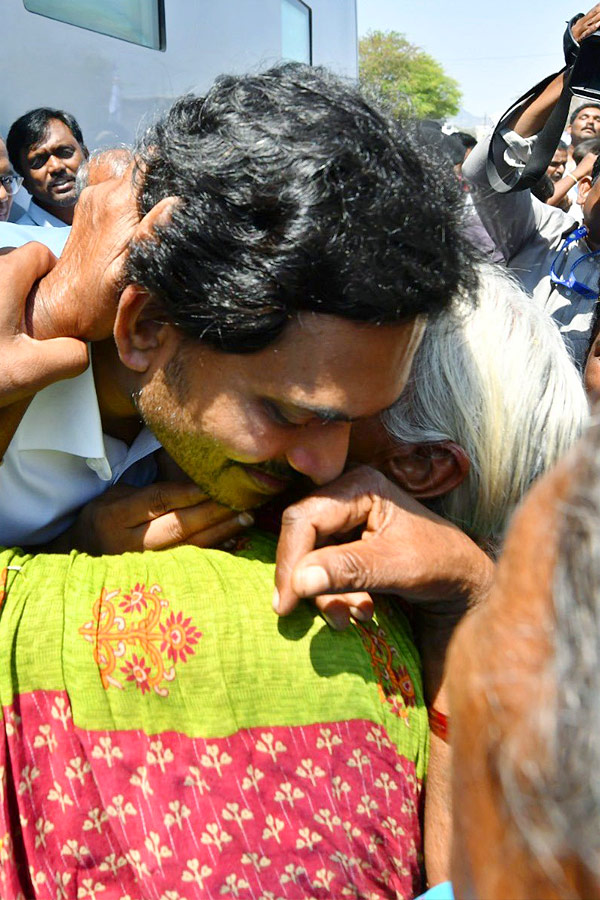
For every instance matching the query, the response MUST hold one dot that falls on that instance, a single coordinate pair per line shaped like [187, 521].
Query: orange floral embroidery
[116, 635]
[392, 677]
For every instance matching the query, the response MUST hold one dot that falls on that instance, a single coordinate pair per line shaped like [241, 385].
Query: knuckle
[351, 570]
[159, 499]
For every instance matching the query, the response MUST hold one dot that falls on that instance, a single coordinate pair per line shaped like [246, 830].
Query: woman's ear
[140, 331]
[428, 470]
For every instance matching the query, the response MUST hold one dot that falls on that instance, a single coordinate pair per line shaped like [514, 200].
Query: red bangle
[439, 724]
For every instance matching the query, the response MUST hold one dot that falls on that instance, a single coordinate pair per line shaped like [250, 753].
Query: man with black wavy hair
[296, 240]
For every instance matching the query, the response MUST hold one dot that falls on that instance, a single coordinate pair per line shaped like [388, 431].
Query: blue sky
[495, 50]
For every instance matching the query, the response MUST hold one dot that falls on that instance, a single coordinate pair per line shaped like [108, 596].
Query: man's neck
[64, 213]
[119, 416]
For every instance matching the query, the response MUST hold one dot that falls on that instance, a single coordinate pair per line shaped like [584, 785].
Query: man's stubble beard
[160, 405]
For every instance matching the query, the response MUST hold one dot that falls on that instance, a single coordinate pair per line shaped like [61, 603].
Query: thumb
[48, 361]
[340, 568]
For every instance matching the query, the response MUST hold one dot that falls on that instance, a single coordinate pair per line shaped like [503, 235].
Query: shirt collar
[65, 416]
[43, 217]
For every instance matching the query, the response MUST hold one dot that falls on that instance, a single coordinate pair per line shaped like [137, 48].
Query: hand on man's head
[79, 297]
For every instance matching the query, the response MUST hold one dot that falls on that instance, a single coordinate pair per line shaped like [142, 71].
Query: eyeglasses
[570, 281]
[11, 183]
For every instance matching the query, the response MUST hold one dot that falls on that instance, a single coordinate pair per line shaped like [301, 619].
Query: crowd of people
[273, 383]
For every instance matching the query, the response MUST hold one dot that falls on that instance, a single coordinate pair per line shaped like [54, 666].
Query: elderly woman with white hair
[493, 401]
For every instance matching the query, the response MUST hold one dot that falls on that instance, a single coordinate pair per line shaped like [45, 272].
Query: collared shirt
[35, 215]
[530, 233]
[59, 460]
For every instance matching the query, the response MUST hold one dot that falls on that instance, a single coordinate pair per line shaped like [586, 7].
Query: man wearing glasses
[9, 183]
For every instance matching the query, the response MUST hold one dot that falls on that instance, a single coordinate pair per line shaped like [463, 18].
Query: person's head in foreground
[46, 148]
[493, 401]
[9, 183]
[307, 244]
[524, 672]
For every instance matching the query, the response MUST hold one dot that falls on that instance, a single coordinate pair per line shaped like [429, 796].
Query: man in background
[9, 183]
[46, 148]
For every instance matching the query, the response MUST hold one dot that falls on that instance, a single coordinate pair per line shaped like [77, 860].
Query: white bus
[114, 63]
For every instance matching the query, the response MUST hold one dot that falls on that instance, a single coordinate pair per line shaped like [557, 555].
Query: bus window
[296, 31]
[136, 21]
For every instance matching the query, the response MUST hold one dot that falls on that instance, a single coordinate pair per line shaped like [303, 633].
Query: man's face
[5, 197]
[50, 167]
[556, 169]
[586, 124]
[242, 426]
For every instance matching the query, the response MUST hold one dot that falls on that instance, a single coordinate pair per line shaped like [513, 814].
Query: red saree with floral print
[166, 737]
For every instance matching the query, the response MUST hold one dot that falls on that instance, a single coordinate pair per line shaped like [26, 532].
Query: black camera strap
[548, 138]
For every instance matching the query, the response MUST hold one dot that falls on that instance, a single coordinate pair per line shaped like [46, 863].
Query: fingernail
[276, 600]
[314, 580]
[245, 519]
[337, 621]
[361, 615]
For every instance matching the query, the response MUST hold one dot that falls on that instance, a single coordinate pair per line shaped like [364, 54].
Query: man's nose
[55, 164]
[3, 193]
[320, 450]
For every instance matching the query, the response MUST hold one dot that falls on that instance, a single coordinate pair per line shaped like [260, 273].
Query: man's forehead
[55, 130]
[4, 160]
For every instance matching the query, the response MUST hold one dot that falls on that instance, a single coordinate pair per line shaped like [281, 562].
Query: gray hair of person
[554, 797]
[116, 159]
[499, 382]
[574, 789]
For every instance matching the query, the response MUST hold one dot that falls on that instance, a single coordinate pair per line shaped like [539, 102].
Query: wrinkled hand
[28, 365]
[164, 514]
[404, 549]
[587, 24]
[79, 297]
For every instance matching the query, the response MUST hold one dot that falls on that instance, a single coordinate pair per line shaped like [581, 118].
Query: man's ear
[142, 335]
[583, 188]
[428, 470]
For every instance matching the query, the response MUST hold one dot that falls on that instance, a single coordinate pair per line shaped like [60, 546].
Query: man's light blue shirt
[14, 235]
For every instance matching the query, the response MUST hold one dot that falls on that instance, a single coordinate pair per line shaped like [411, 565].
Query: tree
[406, 77]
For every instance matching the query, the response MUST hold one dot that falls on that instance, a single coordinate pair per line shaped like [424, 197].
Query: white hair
[498, 380]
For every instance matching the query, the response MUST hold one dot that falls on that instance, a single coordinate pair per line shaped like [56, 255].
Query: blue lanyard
[570, 282]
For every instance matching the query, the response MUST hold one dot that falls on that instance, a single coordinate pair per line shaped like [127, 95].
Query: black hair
[596, 169]
[468, 140]
[591, 145]
[296, 193]
[30, 129]
[575, 113]
[543, 189]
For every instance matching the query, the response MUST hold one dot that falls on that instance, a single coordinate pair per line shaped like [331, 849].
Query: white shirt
[35, 215]
[59, 460]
